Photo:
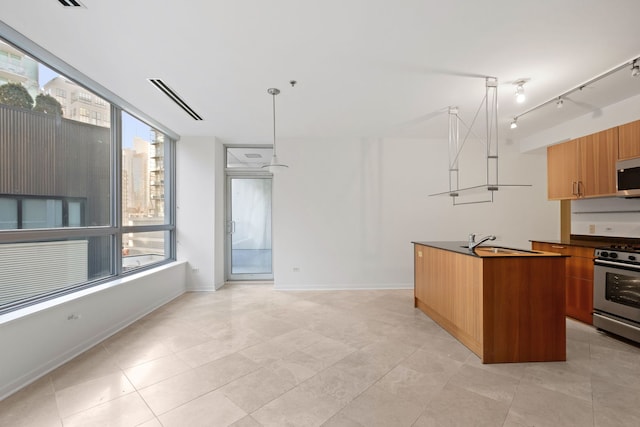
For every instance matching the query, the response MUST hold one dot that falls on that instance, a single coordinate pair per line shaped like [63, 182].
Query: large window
[143, 192]
[71, 214]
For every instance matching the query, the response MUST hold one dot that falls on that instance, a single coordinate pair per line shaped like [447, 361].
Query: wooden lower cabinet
[578, 278]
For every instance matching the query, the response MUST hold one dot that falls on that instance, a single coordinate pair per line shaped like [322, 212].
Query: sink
[500, 250]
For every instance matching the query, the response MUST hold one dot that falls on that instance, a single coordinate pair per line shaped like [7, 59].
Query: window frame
[116, 229]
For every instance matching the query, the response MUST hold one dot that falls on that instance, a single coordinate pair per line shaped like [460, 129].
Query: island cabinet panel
[452, 296]
[523, 310]
[503, 308]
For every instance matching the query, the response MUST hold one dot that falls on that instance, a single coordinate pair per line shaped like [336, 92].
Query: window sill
[24, 312]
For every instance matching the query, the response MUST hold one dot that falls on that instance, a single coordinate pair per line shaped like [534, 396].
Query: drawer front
[577, 251]
[549, 247]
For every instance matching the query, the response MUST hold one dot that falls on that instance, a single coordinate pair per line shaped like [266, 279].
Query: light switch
[419, 254]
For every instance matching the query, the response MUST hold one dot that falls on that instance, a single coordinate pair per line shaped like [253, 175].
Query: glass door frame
[229, 176]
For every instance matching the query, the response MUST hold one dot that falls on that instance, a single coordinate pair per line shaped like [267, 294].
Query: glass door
[249, 228]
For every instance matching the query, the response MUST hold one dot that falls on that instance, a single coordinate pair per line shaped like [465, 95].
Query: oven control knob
[613, 255]
[632, 257]
[604, 254]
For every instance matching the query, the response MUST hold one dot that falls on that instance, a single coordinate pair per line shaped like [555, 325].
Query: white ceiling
[364, 67]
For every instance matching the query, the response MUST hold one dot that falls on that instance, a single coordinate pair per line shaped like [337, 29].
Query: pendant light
[275, 165]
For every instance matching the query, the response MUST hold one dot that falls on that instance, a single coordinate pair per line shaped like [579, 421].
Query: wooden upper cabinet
[562, 170]
[629, 140]
[583, 167]
[598, 155]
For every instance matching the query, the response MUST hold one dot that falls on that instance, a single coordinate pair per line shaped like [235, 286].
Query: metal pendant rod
[273, 92]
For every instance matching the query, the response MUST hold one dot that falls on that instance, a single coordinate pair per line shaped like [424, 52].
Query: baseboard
[342, 287]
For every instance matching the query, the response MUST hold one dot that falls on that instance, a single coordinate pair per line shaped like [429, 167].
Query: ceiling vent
[71, 3]
[175, 98]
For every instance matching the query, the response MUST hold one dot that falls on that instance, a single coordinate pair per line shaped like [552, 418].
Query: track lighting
[520, 92]
[559, 100]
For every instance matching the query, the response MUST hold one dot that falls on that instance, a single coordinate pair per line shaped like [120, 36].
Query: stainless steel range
[616, 293]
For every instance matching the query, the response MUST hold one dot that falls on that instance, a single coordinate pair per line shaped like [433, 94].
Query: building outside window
[84, 97]
[60, 187]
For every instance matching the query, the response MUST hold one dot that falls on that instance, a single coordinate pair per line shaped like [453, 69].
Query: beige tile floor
[250, 356]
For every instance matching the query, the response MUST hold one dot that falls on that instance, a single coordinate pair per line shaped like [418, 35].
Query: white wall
[346, 211]
[613, 115]
[58, 330]
[610, 216]
[200, 206]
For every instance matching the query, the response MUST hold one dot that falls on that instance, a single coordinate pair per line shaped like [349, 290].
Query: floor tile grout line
[590, 340]
[593, 409]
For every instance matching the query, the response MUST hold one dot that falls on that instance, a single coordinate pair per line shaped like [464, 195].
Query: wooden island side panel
[451, 296]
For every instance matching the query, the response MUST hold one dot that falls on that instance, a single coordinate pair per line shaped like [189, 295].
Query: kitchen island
[504, 304]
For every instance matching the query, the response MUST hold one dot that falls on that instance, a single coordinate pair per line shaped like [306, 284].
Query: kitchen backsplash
[609, 217]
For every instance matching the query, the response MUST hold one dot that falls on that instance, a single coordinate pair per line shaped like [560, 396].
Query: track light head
[635, 69]
[514, 123]
[520, 92]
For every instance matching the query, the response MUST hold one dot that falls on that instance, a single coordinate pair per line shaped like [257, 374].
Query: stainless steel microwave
[628, 177]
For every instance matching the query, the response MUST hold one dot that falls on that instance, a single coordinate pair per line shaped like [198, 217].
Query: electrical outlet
[296, 269]
[195, 270]
[592, 228]
[74, 316]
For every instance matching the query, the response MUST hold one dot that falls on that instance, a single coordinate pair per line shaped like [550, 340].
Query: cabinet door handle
[580, 193]
[558, 247]
[573, 188]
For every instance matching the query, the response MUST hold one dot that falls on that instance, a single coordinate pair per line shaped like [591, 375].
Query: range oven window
[623, 289]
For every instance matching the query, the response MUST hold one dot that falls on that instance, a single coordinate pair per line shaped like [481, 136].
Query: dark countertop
[459, 247]
[590, 241]
[571, 242]
[449, 246]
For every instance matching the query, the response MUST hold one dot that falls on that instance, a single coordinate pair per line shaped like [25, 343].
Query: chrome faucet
[472, 240]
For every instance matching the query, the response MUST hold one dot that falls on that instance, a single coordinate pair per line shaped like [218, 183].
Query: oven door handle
[615, 264]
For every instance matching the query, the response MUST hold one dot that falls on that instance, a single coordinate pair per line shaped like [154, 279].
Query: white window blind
[31, 269]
